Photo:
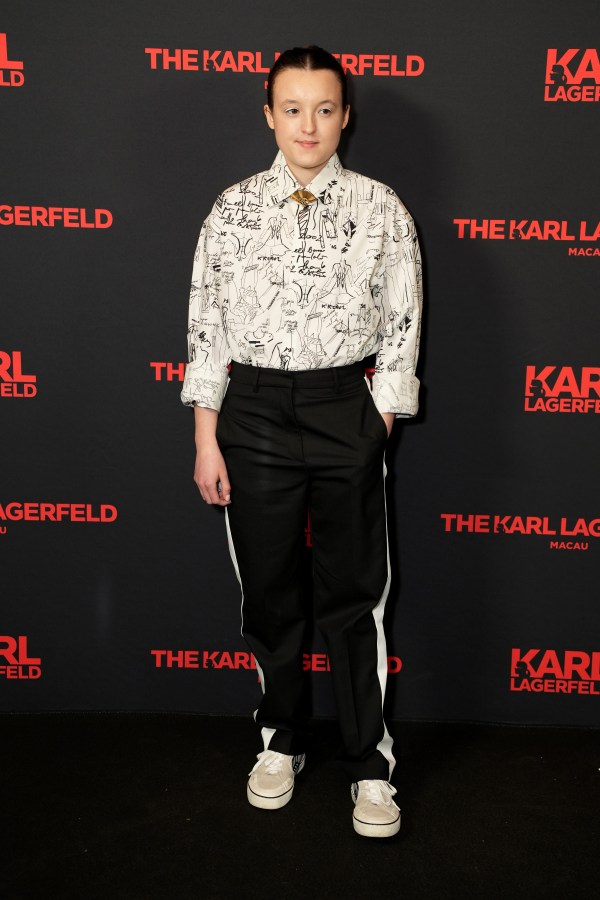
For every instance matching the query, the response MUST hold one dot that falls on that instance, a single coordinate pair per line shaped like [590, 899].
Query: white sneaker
[375, 813]
[271, 781]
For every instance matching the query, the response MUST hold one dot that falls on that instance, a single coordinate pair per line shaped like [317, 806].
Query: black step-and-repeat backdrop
[121, 122]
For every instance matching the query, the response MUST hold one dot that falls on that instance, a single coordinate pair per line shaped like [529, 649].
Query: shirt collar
[280, 182]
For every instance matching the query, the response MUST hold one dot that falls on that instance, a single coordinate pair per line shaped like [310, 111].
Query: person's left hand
[388, 418]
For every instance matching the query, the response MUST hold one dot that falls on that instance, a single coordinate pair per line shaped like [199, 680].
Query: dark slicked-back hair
[311, 57]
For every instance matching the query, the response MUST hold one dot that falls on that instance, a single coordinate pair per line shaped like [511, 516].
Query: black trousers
[297, 441]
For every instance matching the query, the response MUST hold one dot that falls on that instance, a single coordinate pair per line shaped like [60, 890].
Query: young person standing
[301, 272]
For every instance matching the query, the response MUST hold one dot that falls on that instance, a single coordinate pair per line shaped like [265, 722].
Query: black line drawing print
[282, 285]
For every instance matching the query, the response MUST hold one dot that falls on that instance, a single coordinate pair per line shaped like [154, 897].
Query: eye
[292, 110]
[326, 111]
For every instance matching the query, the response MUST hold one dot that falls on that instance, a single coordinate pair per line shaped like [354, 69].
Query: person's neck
[305, 176]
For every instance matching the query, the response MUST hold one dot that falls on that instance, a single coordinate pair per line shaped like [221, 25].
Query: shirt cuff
[204, 386]
[396, 393]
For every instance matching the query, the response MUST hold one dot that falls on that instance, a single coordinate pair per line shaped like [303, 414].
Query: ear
[346, 116]
[269, 116]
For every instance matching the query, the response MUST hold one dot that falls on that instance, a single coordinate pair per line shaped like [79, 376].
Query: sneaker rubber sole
[369, 829]
[262, 802]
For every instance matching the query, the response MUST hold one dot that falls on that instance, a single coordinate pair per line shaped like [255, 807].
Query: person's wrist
[206, 442]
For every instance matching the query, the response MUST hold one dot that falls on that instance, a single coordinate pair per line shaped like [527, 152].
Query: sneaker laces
[377, 791]
[271, 760]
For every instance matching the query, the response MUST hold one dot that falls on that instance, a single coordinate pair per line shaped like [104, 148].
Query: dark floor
[153, 806]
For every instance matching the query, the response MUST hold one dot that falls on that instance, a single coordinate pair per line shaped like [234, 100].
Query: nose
[309, 124]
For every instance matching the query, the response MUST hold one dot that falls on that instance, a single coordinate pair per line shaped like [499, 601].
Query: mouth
[307, 144]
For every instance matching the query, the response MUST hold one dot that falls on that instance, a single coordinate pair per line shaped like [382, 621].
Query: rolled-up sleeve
[208, 353]
[400, 300]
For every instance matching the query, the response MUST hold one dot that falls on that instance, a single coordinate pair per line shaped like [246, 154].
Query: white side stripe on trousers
[267, 733]
[385, 744]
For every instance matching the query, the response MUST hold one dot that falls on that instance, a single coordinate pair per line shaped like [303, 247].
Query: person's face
[307, 118]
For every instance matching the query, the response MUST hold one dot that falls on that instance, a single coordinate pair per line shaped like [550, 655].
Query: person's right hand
[210, 474]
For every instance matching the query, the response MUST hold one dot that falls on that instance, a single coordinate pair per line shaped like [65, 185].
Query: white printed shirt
[289, 287]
